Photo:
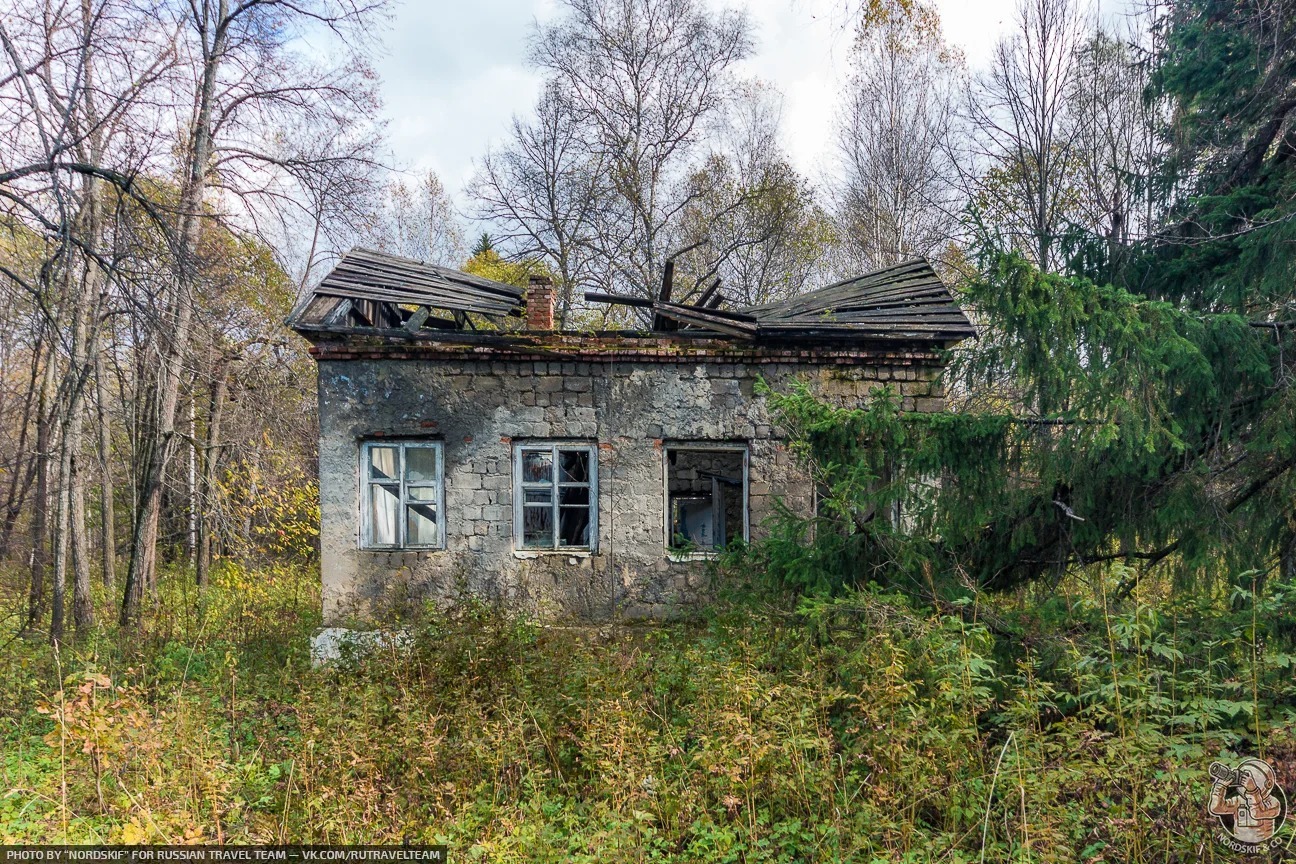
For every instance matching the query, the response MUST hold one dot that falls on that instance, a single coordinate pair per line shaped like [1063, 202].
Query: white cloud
[455, 74]
[453, 77]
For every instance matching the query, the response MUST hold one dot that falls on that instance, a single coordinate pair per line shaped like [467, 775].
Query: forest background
[1018, 630]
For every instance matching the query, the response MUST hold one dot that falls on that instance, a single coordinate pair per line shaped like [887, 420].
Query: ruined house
[469, 448]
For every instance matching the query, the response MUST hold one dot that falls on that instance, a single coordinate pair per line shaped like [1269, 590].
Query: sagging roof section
[907, 301]
[376, 290]
[373, 293]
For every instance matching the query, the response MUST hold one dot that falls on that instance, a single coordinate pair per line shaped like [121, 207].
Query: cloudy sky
[455, 71]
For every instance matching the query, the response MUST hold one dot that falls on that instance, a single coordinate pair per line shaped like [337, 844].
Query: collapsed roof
[373, 293]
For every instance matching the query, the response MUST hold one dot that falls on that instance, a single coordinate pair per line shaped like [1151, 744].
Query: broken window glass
[404, 495]
[575, 466]
[573, 526]
[706, 487]
[557, 510]
[574, 496]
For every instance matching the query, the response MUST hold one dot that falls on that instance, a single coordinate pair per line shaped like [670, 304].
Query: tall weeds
[855, 728]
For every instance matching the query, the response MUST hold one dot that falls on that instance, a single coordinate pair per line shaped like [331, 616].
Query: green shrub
[861, 727]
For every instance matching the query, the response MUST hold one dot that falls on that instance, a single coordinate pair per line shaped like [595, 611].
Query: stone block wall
[632, 402]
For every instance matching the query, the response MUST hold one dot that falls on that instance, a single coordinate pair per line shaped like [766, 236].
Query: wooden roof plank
[707, 321]
[360, 276]
[905, 302]
[422, 299]
[407, 267]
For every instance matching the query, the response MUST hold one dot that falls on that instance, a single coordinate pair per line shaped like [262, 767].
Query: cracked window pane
[571, 496]
[537, 496]
[574, 465]
[574, 525]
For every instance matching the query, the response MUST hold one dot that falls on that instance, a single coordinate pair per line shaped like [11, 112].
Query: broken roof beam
[729, 323]
[618, 300]
[738, 324]
[708, 294]
[668, 283]
[664, 296]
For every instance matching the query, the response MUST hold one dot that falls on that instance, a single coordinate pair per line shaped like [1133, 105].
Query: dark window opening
[706, 493]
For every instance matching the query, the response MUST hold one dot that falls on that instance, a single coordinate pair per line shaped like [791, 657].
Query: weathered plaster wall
[630, 406]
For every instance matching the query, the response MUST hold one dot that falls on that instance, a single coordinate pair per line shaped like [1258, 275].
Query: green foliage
[488, 264]
[1146, 422]
[857, 728]
[1226, 68]
[1098, 425]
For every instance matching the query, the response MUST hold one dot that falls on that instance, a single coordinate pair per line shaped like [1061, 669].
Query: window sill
[684, 557]
[397, 550]
[544, 553]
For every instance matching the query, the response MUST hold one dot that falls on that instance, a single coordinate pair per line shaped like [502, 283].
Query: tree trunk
[211, 456]
[68, 532]
[191, 477]
[108, 547]
[40, 508]
[161, 448]
[20, 481]
[82, 601]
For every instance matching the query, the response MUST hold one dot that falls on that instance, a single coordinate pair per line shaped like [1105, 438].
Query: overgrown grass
[861, 728]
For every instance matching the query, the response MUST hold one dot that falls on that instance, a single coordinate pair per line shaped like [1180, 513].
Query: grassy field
[861, 728]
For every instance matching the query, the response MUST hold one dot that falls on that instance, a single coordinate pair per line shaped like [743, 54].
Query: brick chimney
[540, 303]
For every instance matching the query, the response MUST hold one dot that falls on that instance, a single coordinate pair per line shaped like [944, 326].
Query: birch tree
[542, 189]
[73, 81]
[642, 81]
[753, 222]
[246, 83]
[1023, 142]
[896, 191]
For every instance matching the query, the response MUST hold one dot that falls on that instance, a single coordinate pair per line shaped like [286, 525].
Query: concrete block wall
[630, 405]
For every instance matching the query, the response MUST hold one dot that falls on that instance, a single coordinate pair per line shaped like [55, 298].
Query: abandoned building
[576, 474]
